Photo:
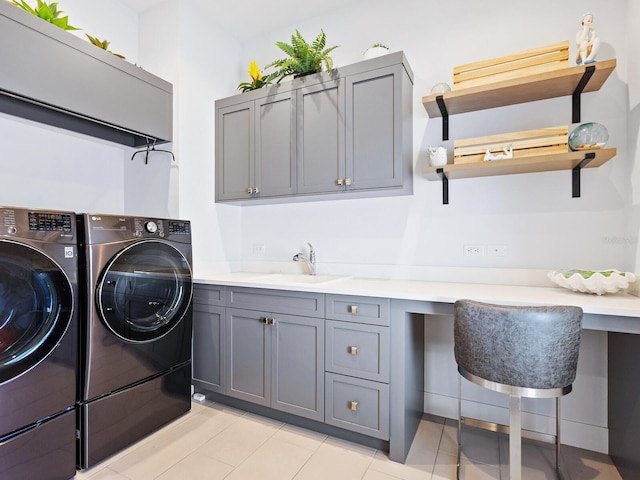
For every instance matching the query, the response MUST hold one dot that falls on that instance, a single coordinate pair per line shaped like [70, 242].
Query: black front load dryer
[135, 331]
[38, 343]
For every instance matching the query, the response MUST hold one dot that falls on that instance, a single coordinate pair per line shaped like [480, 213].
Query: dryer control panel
[109, 228]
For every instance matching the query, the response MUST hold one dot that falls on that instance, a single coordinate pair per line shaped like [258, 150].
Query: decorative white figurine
[437, 156]
[501, 156]
[587, 41]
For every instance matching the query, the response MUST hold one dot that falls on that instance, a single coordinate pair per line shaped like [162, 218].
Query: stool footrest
[499, 428]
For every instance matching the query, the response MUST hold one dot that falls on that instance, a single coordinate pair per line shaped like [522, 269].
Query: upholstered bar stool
[521, 351]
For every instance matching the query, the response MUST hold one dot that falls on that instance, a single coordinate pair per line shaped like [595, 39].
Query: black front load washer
[135, 331]
[38, 343]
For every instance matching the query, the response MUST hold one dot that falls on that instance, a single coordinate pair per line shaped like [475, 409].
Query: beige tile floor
[214, 442]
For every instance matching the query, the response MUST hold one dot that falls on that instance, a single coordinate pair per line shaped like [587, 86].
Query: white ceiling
[245, 21]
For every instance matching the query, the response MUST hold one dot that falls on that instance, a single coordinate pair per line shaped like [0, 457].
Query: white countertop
[616, 305]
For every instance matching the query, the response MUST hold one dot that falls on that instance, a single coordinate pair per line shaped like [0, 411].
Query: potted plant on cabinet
[46, 11]
[303, 58]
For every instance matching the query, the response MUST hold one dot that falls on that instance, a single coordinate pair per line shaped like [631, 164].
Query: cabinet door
[320, 139]
[235, 152]
[208, 347]
[374, 123]
[248, 356]
[298, 366]
[275, 169]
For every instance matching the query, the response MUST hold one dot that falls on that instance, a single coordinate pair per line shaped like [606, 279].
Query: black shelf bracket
[586, 76]
[575, 174]
[445, 117]
[445, 185]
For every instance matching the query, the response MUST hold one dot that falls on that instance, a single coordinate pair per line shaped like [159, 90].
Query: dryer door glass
[36, 305]
[145, 291]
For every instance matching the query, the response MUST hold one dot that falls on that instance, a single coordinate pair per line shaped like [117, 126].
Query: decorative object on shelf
[376, 50]
[587, 41]
[257, 80]
[527, 143]
[104, 45]
[302, 58]
[588, 281]
[46, 11]
[507, 153]
[437, 156]
[439, 88]
[588, 136]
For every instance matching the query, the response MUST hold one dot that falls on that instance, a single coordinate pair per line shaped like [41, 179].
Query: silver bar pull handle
[353, 309]
[352, 349]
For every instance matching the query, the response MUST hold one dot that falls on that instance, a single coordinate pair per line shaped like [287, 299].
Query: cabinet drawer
[357, 350]
[307, 304]
[358, 405]
[369, 310]
[208, 294]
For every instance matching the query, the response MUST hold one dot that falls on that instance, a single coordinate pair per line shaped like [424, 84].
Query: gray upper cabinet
[51, 76]
[321, 137]
[351, 136]
[377, 141]
[255, 145]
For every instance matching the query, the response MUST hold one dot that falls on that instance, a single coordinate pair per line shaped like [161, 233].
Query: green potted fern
[302, 58]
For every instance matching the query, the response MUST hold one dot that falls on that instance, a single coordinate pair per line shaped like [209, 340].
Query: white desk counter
[611, 312]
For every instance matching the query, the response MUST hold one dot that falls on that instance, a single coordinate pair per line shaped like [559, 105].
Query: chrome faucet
[311, 261]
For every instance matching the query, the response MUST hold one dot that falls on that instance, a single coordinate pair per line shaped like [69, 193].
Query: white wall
[534, 215]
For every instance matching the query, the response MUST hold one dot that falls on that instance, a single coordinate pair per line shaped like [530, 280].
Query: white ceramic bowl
[599, 282]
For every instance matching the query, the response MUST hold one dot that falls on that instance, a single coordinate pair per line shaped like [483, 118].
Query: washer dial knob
[151, 227]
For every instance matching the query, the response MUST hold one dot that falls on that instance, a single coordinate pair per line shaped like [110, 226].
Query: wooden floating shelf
[556, 83]
[541, 163]
[574, 161]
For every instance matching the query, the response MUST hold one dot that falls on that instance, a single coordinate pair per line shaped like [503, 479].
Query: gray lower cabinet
[209, 348]
[276, 359]
[322, 357]
[347, 131]
[255, 148]
[357, 364]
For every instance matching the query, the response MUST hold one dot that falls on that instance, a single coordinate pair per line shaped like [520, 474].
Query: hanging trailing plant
[303, 58]
[46, 11]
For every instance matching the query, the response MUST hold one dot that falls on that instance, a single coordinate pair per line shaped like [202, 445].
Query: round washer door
[144, 291]
[36, 307]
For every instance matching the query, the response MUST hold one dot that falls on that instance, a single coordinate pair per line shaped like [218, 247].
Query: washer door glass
[36, 306]
[145, 291]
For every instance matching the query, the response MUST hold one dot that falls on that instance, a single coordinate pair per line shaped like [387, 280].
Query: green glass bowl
[588, 136]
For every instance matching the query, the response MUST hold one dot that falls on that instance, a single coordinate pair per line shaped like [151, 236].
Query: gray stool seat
[522, 351]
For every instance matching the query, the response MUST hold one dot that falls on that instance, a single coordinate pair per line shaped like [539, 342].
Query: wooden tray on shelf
[556, 83]
[521, 64]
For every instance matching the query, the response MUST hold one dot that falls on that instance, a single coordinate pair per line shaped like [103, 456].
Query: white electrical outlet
[473, 250]
[497, 250]
[259, 249]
